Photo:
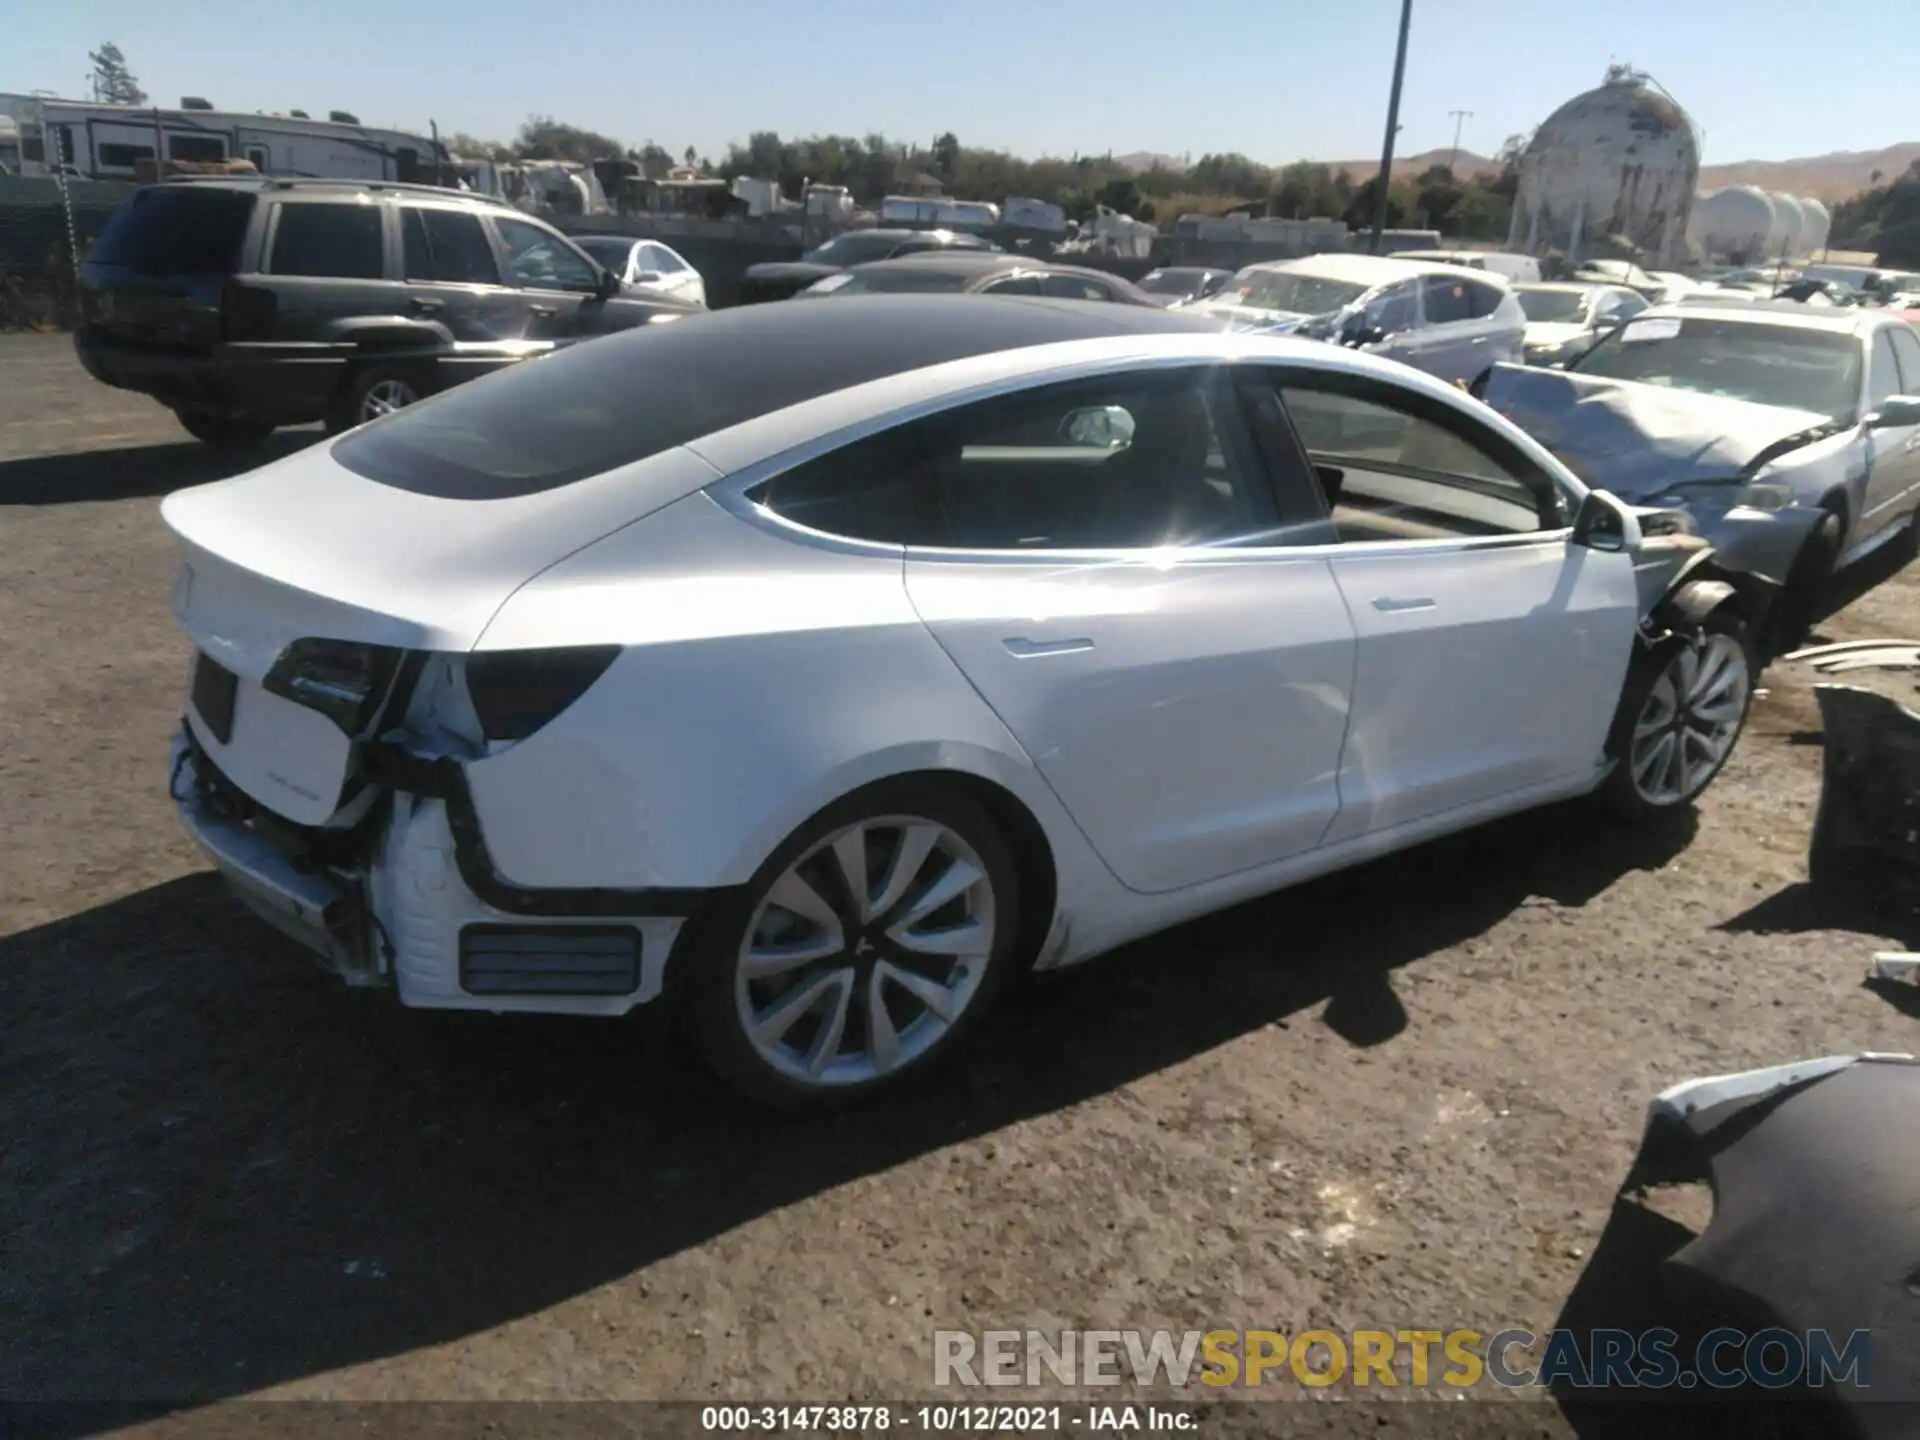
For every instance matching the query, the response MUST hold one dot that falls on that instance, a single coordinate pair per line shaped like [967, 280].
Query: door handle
[1393, 603]
[1030, 649]
[421, 307]
[543, 310]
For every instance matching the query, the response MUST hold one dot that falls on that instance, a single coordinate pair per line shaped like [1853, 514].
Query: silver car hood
[1640, 440]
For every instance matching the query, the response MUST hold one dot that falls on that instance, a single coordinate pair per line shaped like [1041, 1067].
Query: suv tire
[224, 432]
[376, 389]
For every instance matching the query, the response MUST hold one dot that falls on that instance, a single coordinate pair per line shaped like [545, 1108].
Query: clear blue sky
[1275, 79]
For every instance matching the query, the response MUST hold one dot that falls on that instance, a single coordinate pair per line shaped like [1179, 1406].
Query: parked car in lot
[897, 645]
[246, 304]
[1452, 323]
[783, 279]
[1790, 434]
[1179, 284]
[1566, 320]
[976, 272]
[1516, 268]
[645, 265]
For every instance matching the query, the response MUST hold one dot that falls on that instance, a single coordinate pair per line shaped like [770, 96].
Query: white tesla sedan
[822, 665]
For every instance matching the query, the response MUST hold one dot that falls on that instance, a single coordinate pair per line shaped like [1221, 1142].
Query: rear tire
[223, 432]
[1681, 713]
[376, 389]
[934, 975]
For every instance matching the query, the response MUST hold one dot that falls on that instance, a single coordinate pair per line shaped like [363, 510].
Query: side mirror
[1604, 523]
[1102, 427]
[1894, 412]
[1361, 331]
[609, 286]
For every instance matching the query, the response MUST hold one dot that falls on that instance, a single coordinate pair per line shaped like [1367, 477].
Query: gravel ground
[1404, 1096]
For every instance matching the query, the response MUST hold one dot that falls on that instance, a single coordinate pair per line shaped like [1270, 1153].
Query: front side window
[1073, 287]
[1013, 285]
[1883, 371]
[1399, 467]
[539, 259]
[339, 242]
[1394, 309]
[1133, 461]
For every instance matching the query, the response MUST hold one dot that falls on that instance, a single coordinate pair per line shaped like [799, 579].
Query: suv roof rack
[276, 182]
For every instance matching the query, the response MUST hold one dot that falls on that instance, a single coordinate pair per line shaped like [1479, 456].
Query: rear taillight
[341, 679]
[246, 313]
[515, 692]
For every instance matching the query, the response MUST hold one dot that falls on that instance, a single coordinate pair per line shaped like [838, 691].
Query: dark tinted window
[542, 260]
[1446, 300]
[1011, 474]
[176, 230]
[1015, 285]
[200, 149]
[895, 280]
[124, 157]
[1395, 310]
[338, 241]
[879, 489]
[447, 245]
[1483, 300]
[1074, 287]
[548, 422]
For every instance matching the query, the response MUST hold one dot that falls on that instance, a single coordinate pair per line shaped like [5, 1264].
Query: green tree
[655, 160]
[544, 138]
[946, 157]
[113, 82]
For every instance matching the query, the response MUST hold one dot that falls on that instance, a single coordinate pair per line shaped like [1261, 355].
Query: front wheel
[1683, 707]
[864, 949]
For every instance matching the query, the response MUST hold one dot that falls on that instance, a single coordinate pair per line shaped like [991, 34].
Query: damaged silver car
[1791, 437]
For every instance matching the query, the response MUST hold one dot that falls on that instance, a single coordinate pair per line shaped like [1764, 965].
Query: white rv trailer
[107, 142]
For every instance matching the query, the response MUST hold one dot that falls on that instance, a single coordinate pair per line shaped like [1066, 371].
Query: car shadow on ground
[137, 472]
[225, 1172]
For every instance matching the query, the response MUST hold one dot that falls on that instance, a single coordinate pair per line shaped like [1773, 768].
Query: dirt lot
[1402, 1097]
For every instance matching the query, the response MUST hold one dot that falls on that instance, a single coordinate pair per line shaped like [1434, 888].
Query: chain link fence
[44, 225]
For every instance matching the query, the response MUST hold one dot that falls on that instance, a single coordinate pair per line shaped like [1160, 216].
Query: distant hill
[1838, 176]
[1409, 167]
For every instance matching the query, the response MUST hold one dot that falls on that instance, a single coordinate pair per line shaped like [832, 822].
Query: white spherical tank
[1735, 224]
[1790, 226]
[1615, 165]
[1819, 225]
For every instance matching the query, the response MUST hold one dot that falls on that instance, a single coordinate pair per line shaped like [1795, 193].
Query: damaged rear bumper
[407, 898]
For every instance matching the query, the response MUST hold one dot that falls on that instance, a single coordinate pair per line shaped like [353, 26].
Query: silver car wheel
[383, 397]
[1686, 729]
[865, 952]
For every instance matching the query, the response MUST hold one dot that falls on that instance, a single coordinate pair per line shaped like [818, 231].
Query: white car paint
[1188, 727]
[644, 264]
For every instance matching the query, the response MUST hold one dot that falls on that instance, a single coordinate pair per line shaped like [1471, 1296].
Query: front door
[559, 287]
[1491, 650]
[1109, 590]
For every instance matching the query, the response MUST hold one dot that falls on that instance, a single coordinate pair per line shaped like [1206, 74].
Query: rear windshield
[176, 230]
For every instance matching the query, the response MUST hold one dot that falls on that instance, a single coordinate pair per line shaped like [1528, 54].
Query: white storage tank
[1819, 225]
[1735, 224]
[1619, 161]
[1788, 238]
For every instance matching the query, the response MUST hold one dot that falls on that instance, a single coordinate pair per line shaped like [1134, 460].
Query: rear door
[1445, 343]
[1180, 681]
[452, 276]
[329, 260]
[153, 278]
[1498, 328]
[1491, 650]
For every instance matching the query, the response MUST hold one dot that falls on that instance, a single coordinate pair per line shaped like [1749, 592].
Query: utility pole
[1393, 126]
[1460, 118]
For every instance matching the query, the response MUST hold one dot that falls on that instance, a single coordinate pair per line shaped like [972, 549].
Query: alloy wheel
[1692, 716]
[383, 397]
[865, 952]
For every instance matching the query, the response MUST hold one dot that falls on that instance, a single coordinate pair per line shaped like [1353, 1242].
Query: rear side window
[1446, 300]
[448, 246]
[1483, 300]
[879, 489]
[176, 230]
[1073, 287]
[340, 242]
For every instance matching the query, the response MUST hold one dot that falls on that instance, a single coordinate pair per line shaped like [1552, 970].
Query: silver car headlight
[1727, 495]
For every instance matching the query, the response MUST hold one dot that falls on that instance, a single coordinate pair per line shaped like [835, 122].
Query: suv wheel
[373, 391]
[223, 432]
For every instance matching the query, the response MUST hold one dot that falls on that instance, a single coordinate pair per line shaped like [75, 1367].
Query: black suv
[243, 304]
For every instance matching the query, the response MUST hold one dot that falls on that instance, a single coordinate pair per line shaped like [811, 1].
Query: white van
[1520, 269]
